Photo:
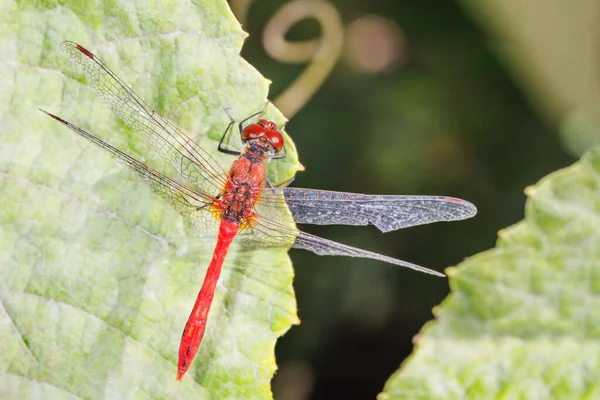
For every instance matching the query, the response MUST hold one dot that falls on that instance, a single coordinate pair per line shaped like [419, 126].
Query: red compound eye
[253, 131]
[266, 129]
[275, 138]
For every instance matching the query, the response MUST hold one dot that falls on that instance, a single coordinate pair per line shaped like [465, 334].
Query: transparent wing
[181, 153]
[274, 227]
[270, 233]
[190, 203]
[387, 213]
[325, 247]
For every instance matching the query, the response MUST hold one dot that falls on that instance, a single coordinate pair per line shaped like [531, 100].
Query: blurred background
[469, 99]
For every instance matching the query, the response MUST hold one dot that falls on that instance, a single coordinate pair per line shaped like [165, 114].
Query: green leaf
[530, 40]
[523, 319]
[98, 274]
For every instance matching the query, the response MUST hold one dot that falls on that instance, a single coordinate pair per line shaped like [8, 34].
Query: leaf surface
[522, 320]
[98, 273]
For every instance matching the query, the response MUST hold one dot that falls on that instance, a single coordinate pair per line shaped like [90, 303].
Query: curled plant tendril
[322, 52]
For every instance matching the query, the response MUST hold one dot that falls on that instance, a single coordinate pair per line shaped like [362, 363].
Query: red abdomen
[236, 207]
[196, 323]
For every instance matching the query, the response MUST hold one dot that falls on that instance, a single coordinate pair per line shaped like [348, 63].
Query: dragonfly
[241, 202]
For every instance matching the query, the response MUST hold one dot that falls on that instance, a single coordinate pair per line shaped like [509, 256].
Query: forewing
[387, 213]
[181, 153]
[190, 203]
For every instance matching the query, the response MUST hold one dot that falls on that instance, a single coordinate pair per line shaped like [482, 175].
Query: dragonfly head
[265, 134]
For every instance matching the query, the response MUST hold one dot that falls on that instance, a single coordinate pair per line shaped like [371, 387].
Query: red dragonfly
[237, 203]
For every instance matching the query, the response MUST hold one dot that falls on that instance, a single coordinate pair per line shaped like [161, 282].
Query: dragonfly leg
[227, 109]
[220, 147]
[241, 125]
[281, 185]
[278, 156]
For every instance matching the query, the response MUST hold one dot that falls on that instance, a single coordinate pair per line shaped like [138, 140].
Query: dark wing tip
[56, 117]
[84, 51]
[454, 200]
[68, 45]
[468, 209]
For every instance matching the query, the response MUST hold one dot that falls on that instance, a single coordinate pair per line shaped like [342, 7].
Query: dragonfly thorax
[242, 191]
